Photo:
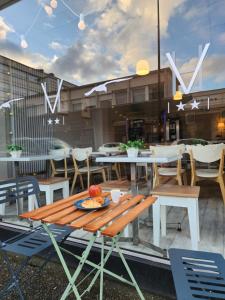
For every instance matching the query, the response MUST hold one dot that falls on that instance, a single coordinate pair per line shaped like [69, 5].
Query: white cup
[115, 195]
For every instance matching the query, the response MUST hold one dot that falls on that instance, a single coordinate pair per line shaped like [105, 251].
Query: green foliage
[139, 144]
[14, 147]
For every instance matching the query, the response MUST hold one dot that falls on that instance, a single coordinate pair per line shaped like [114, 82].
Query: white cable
[34, 21]
[70, 9]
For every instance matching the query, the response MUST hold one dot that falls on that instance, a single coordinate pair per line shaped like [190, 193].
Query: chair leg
[103, 175]
[73, 184]
[222, 187]
[185, 178]
[117, 172]
[81, 181]
[193, 181]
[179, 180]
[88, 179]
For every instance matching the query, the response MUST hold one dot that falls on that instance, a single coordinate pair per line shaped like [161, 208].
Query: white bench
[178, 196]
[48, 186]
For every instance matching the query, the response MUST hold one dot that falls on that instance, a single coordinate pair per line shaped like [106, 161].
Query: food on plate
[99, 199]
[91, 204]
[95, 191]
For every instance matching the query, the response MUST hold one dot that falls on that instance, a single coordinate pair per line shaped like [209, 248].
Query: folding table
[104, 223]
[133, 161]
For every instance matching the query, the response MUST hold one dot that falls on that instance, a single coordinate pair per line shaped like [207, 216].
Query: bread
[91, 204]
[99, 199]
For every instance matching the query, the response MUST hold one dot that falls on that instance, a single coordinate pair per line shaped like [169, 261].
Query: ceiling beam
[6, 3]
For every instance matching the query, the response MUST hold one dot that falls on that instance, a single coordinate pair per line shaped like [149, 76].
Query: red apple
[95, 191]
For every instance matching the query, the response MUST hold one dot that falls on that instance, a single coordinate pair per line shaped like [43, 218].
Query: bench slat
[177, 191]
[97, 224]
[35, 212]
[96, 214]
[119, 224]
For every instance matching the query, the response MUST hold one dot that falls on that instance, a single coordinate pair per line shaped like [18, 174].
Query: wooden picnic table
[107, 222]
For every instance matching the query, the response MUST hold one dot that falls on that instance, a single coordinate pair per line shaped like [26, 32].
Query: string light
[81, 24]
[23, 42]
[178, 96]
[142, 67]
[54, 4]
[48, 10]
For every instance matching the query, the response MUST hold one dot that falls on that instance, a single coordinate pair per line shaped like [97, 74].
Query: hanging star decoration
[50, 121]
[195, 104]
[180, 106]
[57, 121]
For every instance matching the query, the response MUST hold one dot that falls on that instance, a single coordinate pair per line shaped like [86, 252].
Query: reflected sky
[118, 33]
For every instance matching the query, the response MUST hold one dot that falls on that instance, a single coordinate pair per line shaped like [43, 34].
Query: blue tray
[79, 206]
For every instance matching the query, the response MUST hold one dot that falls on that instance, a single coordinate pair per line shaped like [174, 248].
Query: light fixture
[81, 25]
[23, 42]
[54, 4]
[178, 96]
[220, 125]
[48, 10]
[142, 67]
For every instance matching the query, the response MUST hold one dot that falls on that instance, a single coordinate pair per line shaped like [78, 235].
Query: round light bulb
[54, 4]
[48, 10]
[142, 67]
[81, 25]
[178, 96]
[23, 43]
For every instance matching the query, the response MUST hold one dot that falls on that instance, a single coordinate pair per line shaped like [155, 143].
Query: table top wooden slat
[59, 215]
[35, 212]
[88, 218]
[71, 217]
[53, 209]
[97, 224]
[120, 223]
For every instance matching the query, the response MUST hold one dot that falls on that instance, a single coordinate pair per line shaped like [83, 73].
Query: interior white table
[24, 158]
[133, 161]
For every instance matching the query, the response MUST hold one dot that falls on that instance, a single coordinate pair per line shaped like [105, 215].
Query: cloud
[119, 33]
[213, 68]
[34, 60]
[115, 40]
[57, 46]
[4, 29]
[221, 38]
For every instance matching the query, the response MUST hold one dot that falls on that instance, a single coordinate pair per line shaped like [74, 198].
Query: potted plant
[15, 150]
[132, 147]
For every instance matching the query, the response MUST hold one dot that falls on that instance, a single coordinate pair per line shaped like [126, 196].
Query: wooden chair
[177, 172]
[80, 155]
[62, 156]
[208, 154]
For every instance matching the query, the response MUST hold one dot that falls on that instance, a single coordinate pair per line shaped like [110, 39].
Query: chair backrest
[168, 150]
[207, 153]
[81, 154]
[12, 190]
[60, 154]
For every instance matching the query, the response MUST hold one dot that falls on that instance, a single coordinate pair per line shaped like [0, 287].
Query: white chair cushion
[207, 173]
[92, 169]
[168, 171]
[63, 170]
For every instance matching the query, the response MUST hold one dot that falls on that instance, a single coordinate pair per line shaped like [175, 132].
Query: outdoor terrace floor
[212, 225]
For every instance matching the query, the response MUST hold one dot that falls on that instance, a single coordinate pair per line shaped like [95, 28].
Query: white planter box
[132, 152]
[15, 153]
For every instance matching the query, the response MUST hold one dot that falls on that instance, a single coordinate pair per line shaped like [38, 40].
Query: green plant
[14, 147]
[139, 144]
